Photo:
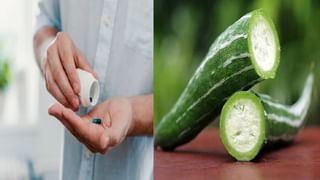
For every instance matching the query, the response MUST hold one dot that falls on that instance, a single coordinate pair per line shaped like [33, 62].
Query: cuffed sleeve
[49, 15]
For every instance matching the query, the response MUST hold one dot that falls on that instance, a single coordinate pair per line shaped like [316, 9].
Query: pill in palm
[96, 120]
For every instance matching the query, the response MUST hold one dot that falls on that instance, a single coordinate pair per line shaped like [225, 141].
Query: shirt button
[88, 154]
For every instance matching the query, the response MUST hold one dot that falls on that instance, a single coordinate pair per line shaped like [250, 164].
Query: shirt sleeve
[49, 15]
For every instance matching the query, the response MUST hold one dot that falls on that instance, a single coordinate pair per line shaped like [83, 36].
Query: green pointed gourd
[250, 120]
[246, 53]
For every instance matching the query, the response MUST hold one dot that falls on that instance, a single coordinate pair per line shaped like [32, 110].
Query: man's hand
[116, 115]
[119, 117]
[58, 63]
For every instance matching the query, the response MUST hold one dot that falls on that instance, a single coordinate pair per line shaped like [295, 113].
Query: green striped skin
[228, 67]
[285, 121]
[278, 123]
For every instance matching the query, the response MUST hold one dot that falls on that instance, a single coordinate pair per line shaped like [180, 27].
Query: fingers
[65, 116]
[84, 131]
[53, 88]
[82, 63]
[56, 111]
[114, 135]
[67, 60]
[116, 123]
[81, 127]
[105, 144]
[62, 59]
[106, 122]
[97, 137]
[61, 79]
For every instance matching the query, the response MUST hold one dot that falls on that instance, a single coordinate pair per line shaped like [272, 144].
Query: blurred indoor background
[30, 140]
[184, 30]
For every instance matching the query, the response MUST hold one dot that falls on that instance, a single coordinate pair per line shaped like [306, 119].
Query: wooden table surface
[206, 158]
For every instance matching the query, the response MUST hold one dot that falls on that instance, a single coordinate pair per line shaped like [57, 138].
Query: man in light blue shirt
[113, 40]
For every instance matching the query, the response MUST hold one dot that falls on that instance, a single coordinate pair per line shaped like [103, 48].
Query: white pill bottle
[89, 88]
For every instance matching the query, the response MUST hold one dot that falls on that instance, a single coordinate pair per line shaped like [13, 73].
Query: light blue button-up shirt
[116, 36]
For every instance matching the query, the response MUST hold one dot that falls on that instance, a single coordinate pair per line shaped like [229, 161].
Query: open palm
[116, 115]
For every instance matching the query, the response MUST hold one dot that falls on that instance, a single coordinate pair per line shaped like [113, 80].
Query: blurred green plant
[5, 69]
[5, 74]
[184, 30]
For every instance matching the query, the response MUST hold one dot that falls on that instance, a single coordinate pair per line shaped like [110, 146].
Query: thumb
[82, 63]
[55, 110]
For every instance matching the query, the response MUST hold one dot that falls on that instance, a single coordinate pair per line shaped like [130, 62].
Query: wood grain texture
[206, 158]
